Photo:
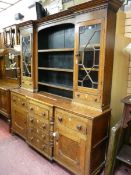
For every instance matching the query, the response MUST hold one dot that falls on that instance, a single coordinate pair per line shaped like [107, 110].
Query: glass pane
[26, 54]
[89, 49]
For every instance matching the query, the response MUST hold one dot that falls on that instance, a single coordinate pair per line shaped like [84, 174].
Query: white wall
[7, 17]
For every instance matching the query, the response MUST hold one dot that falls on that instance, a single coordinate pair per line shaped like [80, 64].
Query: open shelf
[56, 50]
[56, 86]
[56, 90]
[55, 69]
[125, 154]
[55, 60]
[61, 60]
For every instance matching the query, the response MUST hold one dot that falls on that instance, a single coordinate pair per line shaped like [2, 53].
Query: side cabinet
[80, 143]
[5, 102]
[40, 127]
[19, 114]
[71, 134]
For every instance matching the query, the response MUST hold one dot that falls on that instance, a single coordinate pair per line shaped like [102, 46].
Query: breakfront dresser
[63, 106]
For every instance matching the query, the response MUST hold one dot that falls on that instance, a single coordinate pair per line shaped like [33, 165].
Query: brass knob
[31, 138]
[44, 114]
[43, 136]
[95, 100]
[78, 95]
[31, 108]
[44, 126]
[60, 119]
[31, 120]
[23, 104]
[43, 147]
[79, 127]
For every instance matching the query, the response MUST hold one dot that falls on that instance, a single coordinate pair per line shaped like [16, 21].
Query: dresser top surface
[7, 85]
[62, 103]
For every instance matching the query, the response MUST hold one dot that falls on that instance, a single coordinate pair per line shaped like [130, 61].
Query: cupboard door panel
[69, 150]
[5, 102]
[19, 122]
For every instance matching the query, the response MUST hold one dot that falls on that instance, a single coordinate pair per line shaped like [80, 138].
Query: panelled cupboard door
[69, 149]
[19, 121]
[89, 43]
[4, 101]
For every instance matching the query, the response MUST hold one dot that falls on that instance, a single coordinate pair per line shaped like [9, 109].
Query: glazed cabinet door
[70, 142]
[89, 44]
[5, 102]
[19, 115]
[26, 39]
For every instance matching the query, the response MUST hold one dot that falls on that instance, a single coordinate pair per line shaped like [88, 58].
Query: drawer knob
[31, 108]
[43, 136]
[79, 127]
[44, 126]
[43, 147]
[31, 138]
[95, 100]
[60, 119]
[44, 114]
[23, 104]
[78, 95]
[31, 120]
[14, 100]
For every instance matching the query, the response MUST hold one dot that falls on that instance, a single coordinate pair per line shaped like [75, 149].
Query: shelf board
[56, 50]
[56, 86]
[125, 154]
[55, 69]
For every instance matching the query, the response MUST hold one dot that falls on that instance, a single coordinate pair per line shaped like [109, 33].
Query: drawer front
[43, 112]
[19, 100]
[34, 121]
[40, 145]
[72, 121]
[39, 133]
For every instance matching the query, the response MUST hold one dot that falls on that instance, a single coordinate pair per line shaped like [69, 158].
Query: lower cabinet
[5, 103]
[75, 141]
[19, 114]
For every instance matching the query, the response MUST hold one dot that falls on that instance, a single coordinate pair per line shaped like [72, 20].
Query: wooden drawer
[34, 121]
[72, 121]
[18, 100]
[41, 111]
[40, 145]
[39, 133]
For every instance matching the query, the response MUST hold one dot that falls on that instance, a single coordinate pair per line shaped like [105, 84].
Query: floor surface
[17, 158]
